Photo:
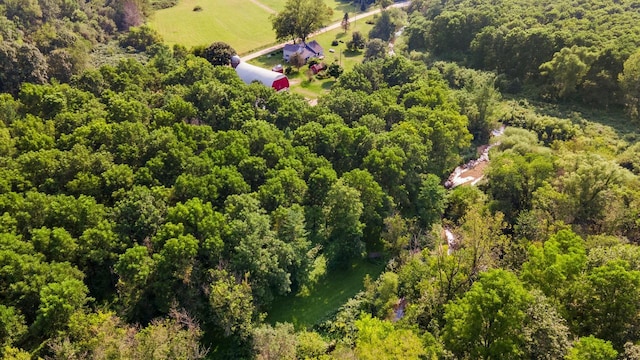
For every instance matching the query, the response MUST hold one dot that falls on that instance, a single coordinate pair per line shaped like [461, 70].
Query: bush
[334, 70]
[163, 4]
[139, 38]
[197, 8]
[548, 129]
[334, 43]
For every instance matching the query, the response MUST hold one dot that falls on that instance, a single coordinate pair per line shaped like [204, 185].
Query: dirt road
[323, 30]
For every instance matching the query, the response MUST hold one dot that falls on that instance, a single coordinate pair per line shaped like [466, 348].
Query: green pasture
[243, 24]
[348, 59]
[240, 23]
[308, 308]
[338, 7]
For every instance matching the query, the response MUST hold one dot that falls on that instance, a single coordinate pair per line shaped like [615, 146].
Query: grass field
[243, 24]
[240, 23]
[331, 291]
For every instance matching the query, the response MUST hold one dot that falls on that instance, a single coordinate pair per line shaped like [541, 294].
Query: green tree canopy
[300, 18]
[486, 322]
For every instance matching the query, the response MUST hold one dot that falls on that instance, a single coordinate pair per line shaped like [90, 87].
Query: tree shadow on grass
[349, 53]
[328, 84]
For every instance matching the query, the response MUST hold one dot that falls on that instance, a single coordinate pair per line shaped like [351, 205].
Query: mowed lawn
[240, 23]
[243, 24]
[331, 292]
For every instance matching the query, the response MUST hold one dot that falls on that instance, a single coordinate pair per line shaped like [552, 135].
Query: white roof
[250, 73]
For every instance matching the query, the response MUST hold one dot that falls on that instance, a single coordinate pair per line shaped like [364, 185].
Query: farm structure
[306, 50]
[250, 73]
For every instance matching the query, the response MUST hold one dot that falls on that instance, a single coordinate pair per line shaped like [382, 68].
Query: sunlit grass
[243, 24]
[312, 305]
[240, 23]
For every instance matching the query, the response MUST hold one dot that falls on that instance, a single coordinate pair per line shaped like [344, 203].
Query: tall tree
[630, 84]
[345, 22]
[431, 201]
[375, 49]
[219, 53]
[486, 322]
[300, 18]
[605, 303]
[231, 304]
[567, 69]
[342, 211]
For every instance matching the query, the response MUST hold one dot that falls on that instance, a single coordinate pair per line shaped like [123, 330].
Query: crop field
[243, 24]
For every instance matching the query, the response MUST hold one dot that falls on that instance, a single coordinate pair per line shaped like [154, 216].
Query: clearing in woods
[308, 308]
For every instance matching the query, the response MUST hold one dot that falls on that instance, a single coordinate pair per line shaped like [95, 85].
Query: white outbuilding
[250, 73]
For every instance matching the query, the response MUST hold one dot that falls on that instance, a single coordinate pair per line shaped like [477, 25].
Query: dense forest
[47, 40]
[159, 209]
[558, 50]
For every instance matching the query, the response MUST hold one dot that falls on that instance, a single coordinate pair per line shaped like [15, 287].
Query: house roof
[306, 53]
[311, 48]
[315, 47]
[250, 73]
[291, 47]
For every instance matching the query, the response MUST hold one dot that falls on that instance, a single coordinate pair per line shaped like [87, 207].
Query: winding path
[323, 30]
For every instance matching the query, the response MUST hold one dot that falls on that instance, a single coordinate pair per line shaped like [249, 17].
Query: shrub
[139, 38]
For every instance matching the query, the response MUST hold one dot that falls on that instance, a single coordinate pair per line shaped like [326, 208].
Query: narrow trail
[321, 31]
[263, 6]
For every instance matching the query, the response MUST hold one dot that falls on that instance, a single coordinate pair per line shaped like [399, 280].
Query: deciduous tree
[300, 18]
[486, 322]
[629, 81]
[219, 53]
[592, 348]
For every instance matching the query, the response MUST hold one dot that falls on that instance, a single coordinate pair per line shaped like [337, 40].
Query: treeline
[137, 191]
[45, 40]
[564, 50]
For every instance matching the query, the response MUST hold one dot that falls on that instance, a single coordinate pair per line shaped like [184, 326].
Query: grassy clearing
[311, 306]
[313, 89]
[240, 23]
[243, 24]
